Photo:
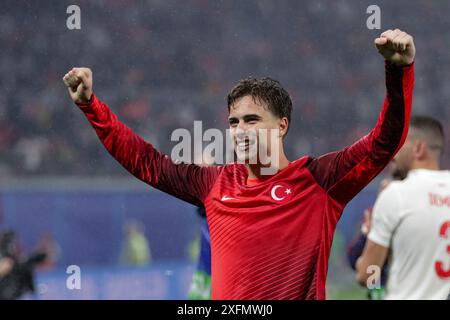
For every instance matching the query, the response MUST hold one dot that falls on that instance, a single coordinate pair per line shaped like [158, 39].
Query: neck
[428, 165]
[254, 170]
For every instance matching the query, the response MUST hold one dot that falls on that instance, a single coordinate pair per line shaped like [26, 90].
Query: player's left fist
[397, 47]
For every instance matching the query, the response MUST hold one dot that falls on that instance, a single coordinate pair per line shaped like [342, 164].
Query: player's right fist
[79, 83]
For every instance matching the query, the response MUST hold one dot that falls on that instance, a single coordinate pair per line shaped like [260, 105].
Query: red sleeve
[187, 182]
[345, 173]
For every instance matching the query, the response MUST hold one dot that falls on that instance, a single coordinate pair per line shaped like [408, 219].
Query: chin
[245, 157]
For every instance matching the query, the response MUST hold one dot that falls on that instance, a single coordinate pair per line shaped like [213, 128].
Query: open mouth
[244, 144]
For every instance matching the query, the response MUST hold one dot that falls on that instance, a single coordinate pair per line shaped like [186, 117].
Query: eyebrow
[247, 117]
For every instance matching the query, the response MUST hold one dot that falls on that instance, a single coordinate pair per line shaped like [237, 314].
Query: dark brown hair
[265, 90]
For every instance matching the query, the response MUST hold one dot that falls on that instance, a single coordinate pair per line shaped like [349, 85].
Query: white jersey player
[411, 221]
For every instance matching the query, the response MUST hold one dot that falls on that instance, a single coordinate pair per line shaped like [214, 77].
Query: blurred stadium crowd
[161, 65]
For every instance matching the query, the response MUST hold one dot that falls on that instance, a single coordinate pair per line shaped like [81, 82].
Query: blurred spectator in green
[135, 248]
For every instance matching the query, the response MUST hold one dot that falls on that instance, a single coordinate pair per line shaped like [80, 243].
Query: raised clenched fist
[79, 83]
[396, 46]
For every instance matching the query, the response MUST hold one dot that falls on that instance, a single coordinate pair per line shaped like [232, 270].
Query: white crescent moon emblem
[274, 196]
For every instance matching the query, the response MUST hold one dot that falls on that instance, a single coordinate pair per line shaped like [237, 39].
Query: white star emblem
[285, 190]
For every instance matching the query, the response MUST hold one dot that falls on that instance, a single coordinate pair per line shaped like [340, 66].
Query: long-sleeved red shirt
[270, 240]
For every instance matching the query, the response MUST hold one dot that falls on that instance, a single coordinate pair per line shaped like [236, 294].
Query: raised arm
[185, 181]
[344, 173]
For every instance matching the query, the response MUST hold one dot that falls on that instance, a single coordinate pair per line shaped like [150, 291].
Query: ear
[283, 126]
[420, 150]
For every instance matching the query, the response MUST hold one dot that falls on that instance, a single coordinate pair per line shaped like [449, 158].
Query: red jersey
[269, 240]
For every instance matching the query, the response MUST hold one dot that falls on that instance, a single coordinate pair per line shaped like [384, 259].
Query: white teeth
[242, 146]
[246, 142]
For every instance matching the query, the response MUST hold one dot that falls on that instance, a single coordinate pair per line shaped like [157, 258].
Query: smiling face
[259, 116]
[249, 118]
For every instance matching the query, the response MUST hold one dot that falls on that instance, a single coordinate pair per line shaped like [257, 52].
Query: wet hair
[265, 90]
